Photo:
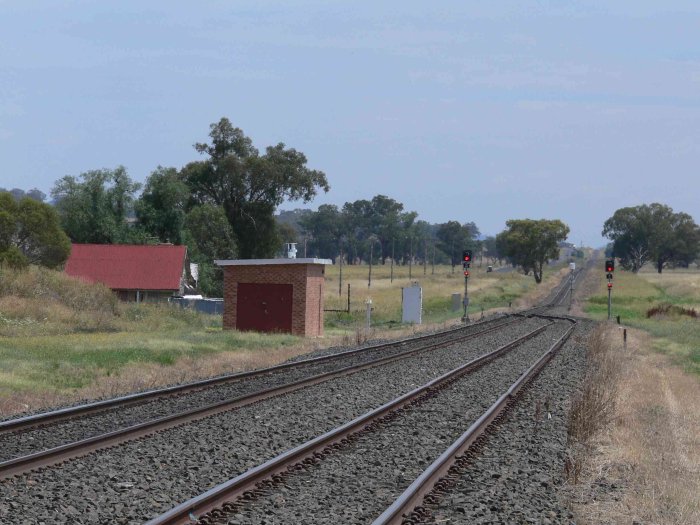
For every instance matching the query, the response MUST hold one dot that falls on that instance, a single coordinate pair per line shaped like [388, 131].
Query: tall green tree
[162, 207]
[249, 186]
[94, 207]
[530, 244]
[652, 233]
[30, 233]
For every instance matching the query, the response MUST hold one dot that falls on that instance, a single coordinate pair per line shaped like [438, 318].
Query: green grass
[633, 295]
[60, 362]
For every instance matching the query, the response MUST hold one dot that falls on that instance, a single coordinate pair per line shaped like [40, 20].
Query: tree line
[221, 207]
[224, 206]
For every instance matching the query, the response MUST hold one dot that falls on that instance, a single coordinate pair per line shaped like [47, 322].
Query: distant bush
[57, 287]
[671, 310]
[40, 301]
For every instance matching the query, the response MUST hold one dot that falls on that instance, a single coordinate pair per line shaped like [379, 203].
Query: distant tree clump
[530, 244]
[652, 233]
[162, 207]
[20, 194]
[454, 237]
[94, 207]
[30, 233]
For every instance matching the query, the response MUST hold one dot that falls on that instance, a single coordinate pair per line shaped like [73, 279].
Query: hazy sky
[469, 111]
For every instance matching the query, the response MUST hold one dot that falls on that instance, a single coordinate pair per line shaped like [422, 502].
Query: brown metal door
[264, 307]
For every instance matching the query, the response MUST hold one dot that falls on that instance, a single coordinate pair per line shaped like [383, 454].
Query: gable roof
[128, 266]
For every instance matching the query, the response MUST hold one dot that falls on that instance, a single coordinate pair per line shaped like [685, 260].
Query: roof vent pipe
[291, 250]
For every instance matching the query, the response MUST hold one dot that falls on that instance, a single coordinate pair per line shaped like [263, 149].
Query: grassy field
[62, 340]
[674, 333]
[487, 290]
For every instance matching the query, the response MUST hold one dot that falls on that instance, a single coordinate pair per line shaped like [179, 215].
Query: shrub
[670, 310]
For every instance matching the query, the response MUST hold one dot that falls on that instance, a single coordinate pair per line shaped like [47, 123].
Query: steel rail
[406, 508]
[247, 483]
[80, 448]
[45, 418]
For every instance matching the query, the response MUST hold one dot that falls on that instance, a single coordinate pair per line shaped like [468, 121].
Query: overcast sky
[469, 111]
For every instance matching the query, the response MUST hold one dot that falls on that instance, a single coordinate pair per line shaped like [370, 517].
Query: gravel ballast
[515, 477]
[357, 483]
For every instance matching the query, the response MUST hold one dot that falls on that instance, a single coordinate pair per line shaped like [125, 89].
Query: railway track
[44, 439]
[229, 500]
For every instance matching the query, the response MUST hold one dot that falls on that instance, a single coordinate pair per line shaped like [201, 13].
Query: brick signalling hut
[151, 273]
[274, 295]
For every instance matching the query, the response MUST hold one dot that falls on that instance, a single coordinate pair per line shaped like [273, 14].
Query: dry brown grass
[593, 408]
[645, 466]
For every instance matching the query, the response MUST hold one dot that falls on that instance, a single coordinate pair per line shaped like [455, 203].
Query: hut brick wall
[307, 282]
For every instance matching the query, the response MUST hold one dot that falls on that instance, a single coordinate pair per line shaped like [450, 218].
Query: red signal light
[466, 273]
[609, 285]
[610, 265]
[467, 256]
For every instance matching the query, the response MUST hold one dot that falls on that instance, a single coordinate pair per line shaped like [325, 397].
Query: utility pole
[425, 257]
[392, 259]
[340, 281]
[369, 277]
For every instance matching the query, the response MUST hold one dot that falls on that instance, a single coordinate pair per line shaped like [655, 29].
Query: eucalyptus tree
[249, 186]
[652, 233]
[530, 244]
[30, 233]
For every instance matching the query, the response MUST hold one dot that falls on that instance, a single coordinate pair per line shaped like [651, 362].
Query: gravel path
[356, 484]
[33, 440]
[133, 482]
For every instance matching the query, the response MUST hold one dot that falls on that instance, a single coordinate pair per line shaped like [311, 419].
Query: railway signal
[466, 264]
[609, 269]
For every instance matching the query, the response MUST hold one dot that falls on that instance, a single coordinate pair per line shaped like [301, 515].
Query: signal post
[466, 264]
[609, 269]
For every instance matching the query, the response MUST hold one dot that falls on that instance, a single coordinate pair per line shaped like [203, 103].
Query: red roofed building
[135, 272]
